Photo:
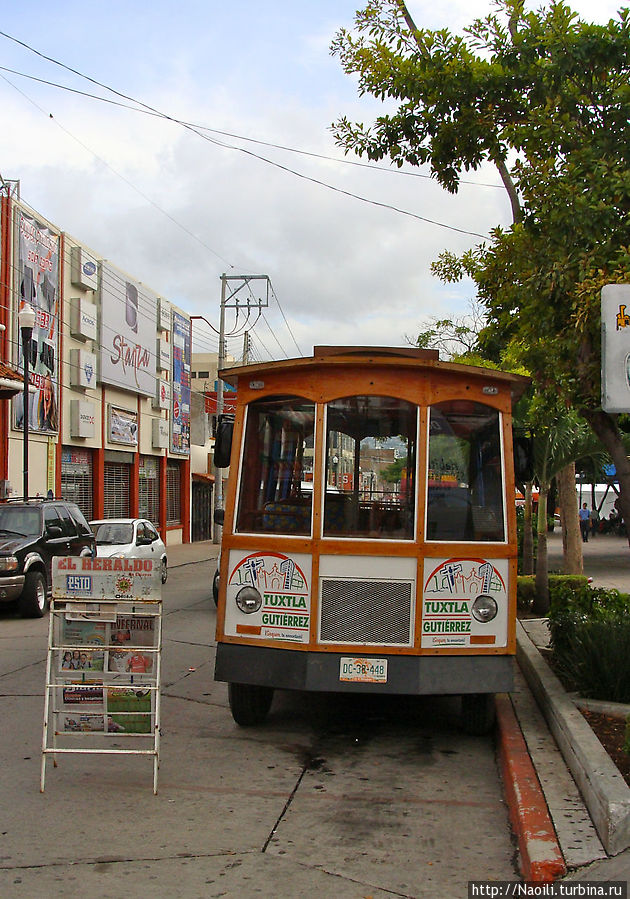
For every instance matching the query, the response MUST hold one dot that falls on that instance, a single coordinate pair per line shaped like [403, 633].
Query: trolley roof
[396, 357]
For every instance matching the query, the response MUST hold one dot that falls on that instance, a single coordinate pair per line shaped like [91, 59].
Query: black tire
[478, 713]
[215, 587]
[33, 602]
[164, 570]
[249, 704]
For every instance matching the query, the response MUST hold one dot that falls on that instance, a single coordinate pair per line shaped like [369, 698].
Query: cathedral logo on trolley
[465, 603]
[283, 585]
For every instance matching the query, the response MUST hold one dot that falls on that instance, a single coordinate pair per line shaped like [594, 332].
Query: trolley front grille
[378, 612]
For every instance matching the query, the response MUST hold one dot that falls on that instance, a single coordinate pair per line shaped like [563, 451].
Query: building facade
[109, 372]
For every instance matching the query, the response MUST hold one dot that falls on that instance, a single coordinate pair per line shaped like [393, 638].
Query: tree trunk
[605, 426]
[541, 600]
[528, 536]
[570, 520]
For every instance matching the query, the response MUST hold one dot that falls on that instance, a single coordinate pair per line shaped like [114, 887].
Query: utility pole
[232, 301]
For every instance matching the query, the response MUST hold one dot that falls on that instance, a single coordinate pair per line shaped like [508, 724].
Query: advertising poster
[127, 332]
[180, 381]
[38, 284]
[123, 426]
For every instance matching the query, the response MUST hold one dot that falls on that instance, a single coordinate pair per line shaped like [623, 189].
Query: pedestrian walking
[585, 522]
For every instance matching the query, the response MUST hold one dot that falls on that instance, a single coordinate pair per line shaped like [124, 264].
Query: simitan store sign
[127, 335]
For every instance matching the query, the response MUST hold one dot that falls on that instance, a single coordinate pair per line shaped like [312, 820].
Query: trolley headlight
[484, 608]
[9, 563]
[249, 600]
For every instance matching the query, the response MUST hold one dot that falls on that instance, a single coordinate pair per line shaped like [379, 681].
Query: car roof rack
[28, 499]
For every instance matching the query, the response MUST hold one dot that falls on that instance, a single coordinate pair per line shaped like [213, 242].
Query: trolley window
[370, 468]
[275, 495]
[465, 474]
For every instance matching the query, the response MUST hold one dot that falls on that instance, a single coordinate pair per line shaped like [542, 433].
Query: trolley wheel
[249, 703]
[33, 602]
[215, 587]
[478, 713]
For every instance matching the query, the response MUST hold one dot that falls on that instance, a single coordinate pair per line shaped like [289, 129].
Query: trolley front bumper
[287, 669]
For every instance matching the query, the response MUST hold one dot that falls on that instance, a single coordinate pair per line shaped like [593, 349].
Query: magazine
[129, 710]
[71, 661]
[82, 695]
[82, 633]
[134, 630]
[127, 638]
[82, 724]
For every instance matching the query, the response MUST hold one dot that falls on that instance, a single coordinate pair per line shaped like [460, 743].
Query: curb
[605, 792]
[541, 857]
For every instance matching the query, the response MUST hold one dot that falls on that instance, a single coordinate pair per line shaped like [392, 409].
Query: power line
[218, 143]
[251, 140]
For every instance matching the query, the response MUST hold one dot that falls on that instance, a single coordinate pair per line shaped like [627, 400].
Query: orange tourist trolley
[369, 540]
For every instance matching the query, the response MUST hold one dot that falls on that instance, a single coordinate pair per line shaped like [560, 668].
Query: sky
[177, 208]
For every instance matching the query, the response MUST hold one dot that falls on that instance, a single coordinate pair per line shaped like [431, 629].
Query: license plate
[363, 671]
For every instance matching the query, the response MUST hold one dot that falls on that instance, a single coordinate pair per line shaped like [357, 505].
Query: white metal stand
[103, 679]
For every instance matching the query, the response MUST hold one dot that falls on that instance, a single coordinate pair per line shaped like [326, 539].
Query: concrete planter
[605, 792]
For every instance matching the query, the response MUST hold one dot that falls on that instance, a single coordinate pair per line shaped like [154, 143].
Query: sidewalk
[606, 559]
[188, 553]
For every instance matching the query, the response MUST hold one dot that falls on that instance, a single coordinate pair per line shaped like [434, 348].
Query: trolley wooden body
[334, 578]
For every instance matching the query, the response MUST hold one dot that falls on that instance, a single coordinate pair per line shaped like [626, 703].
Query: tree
[545, 97]
[456, 336]
[561, 439]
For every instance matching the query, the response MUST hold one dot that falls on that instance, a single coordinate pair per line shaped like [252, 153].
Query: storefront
[77, 478]
[117, 484]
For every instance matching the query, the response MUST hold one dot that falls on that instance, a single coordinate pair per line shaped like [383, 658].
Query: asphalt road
[340, 798]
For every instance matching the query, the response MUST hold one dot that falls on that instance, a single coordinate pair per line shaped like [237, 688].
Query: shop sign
[82, 577]
[83, 319]
[180, 381]
[82, 418]
[615, 310]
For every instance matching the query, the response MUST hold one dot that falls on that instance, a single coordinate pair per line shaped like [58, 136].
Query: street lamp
[26, 322]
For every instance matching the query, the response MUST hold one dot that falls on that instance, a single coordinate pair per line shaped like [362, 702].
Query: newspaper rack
[104, 660]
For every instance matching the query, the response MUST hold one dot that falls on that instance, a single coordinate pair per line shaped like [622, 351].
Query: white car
[129, 538]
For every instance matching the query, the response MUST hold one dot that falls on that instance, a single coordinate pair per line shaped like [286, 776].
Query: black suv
[31, 533]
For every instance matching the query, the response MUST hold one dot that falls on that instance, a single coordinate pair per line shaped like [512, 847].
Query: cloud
[175, 210]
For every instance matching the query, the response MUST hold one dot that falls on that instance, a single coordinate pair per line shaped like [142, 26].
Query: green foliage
[597, 663]
[562, 589]
[626, 742]
[549, 92]
[590, 638]
[392, 474]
